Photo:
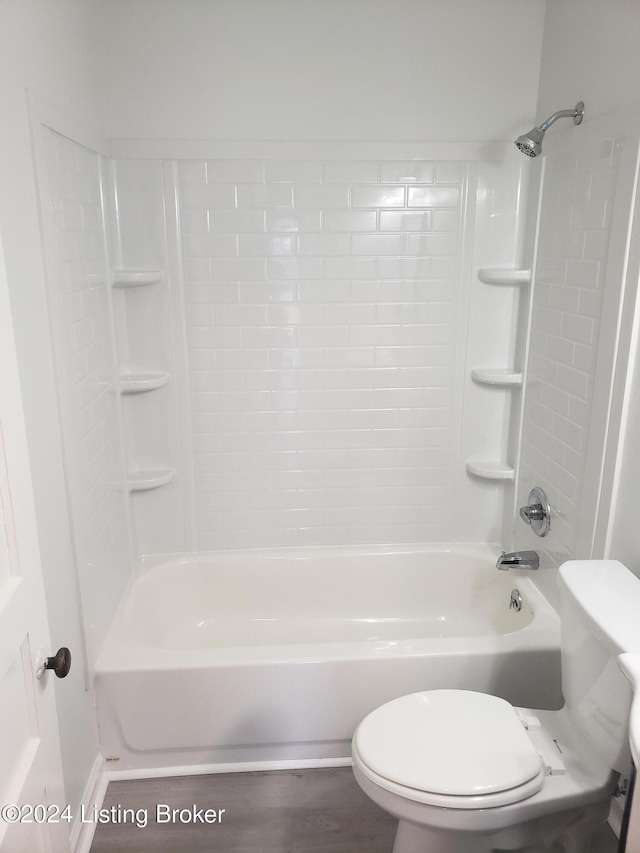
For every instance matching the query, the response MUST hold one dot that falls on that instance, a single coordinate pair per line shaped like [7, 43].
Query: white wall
[47, 47]
[590, 53]
[302, 69]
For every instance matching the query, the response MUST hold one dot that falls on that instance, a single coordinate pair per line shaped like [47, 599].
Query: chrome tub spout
[518, 560]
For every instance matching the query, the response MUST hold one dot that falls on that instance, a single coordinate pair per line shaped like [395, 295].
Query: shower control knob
[538, 513]
[531, 513]
[60, 663]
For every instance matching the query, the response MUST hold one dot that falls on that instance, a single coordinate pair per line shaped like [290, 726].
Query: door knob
[60, 663]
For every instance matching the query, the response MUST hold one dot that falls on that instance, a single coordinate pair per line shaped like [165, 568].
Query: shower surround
[274, 349]
[319, 317]
[297, 363]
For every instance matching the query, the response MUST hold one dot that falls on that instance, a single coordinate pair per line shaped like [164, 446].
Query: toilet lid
[450, 742]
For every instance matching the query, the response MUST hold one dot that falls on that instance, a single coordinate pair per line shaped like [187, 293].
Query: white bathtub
[232, 657]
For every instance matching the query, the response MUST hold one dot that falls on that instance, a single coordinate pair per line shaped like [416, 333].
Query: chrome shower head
[531, 143]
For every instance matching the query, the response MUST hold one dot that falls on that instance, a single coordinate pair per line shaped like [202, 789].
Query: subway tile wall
[575, 228]
[81, 326]
[323, 305]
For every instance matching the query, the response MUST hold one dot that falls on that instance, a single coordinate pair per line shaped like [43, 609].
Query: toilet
[466, 772]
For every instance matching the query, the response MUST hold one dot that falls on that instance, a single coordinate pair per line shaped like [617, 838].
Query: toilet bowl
[466, 772]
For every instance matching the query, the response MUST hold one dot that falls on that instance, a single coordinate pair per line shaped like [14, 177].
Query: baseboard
[82, 832]
[236, 767]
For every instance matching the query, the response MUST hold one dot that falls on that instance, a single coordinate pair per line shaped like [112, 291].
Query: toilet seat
[450, 748]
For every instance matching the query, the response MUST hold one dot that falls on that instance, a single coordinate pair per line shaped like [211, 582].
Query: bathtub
[268, 656]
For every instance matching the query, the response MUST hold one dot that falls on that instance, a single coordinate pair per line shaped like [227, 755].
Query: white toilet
[466, 772]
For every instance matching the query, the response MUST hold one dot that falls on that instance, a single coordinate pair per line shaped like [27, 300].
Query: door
[33, 818]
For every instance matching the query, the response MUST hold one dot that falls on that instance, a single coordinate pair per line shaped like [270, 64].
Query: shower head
[531, 143]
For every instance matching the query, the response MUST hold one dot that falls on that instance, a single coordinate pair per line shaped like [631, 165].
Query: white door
[32, 816]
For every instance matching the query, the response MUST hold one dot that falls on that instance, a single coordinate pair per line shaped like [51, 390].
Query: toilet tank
[600, 619]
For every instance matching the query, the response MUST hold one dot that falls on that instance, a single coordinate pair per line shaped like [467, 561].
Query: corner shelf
[504, 275]
[138, 383]
[490, 469]
[142, 480]
[499, 376]
[136, 277]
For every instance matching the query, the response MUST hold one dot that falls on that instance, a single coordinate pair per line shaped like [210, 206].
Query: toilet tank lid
[608, 595]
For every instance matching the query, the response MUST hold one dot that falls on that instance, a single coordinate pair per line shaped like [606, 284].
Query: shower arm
[576, 114]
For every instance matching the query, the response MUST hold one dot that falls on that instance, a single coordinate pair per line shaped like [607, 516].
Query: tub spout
[518, 560]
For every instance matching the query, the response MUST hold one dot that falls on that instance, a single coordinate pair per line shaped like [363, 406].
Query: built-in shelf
[496, 376]
[504, 275]
[138, 383]
[136, 277]
[490, 469]
[141, 480]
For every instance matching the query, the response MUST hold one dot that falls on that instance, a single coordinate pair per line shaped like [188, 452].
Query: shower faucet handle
[538, 512]
[531, 513]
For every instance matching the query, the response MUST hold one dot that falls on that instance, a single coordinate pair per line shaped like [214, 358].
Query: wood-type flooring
[285, 811]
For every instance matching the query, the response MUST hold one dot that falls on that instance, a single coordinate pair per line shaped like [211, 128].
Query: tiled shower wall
[81, 322]
[326, 320]
[321, 302]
